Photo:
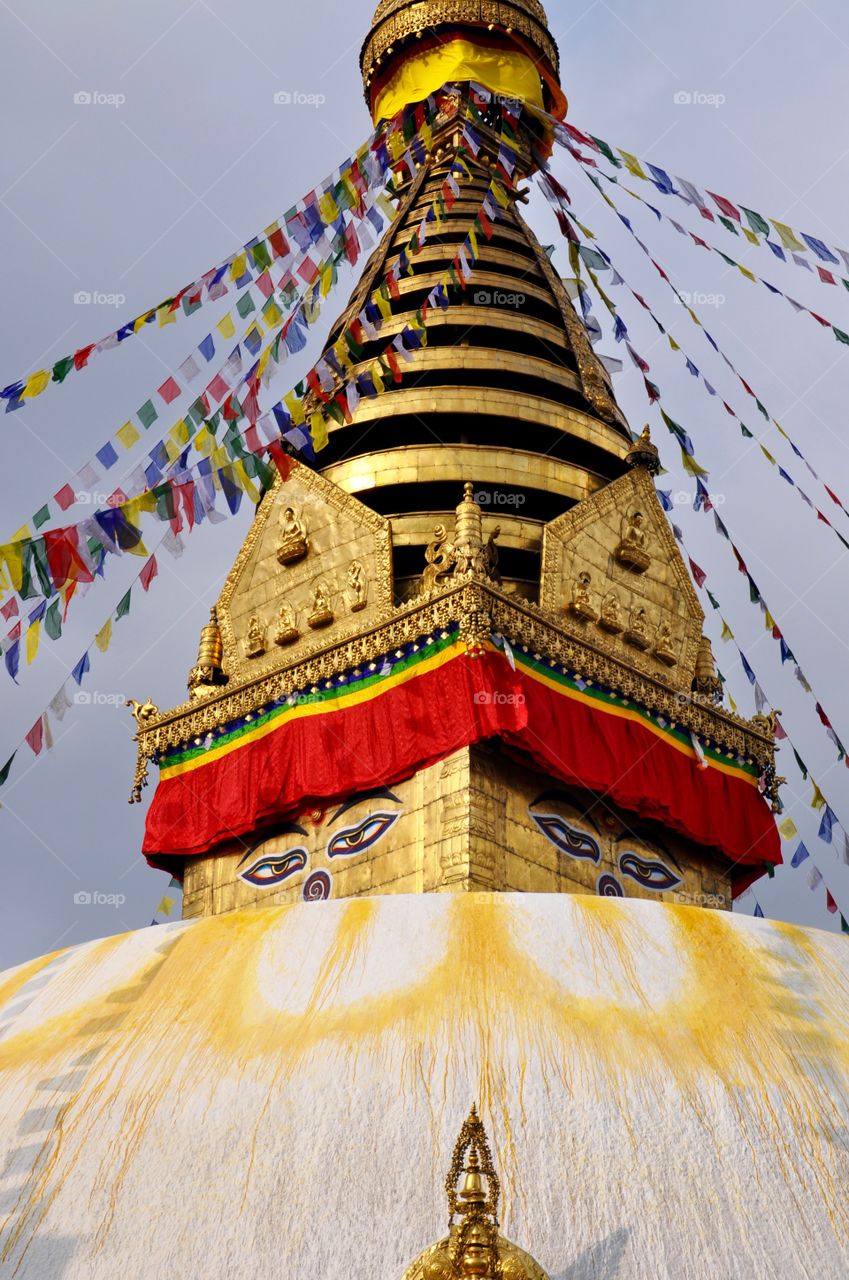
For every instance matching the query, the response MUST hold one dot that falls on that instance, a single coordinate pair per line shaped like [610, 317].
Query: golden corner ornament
[477, 585]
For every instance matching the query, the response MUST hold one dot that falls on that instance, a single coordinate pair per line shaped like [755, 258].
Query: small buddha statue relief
[632, 550]
[287, 629]
[611, 614]
[664, 645]
[357, 587]
[322, 613]
[255, 644]
[638, 630]
[294, 543]
[581, 605]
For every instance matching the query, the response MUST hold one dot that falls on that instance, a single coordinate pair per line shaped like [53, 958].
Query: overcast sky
[138, 196]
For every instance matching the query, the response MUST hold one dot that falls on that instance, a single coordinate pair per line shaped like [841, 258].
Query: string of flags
[40, 737]
[838, 334]
[831, 830]
[704, 502]
[786, 244]
[596, 259]
[300, 227]
[54, 563]
[287, 301]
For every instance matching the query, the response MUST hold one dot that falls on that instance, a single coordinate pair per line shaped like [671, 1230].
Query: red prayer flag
[218, 388]
[730, 210]
[278, 243]
[830, 903]
[698, 574]
[265, 285]
[148, 573]
[170, 390]
[35, 737]
[308, 270]
[826, 324]
[281, 459]
[833, 496]
[63, 557]
[826, 276]
[9, 609]
[81, 356]
[65, 497]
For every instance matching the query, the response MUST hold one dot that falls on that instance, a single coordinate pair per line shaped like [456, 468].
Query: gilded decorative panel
[613, 575]
[315, 569]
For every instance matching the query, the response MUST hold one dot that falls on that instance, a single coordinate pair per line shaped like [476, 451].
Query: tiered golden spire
[474, 1247]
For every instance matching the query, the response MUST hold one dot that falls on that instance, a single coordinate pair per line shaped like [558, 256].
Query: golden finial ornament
[643, 453]
[706, 682]
[474, 1246]
[208, 672]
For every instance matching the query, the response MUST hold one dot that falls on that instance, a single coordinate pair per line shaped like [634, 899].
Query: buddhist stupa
[460, 817]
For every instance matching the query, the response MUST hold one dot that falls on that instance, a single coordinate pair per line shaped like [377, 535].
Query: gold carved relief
[314, 557]
[613, 574]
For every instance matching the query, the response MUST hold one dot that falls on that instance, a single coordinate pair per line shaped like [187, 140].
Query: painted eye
[569, 840]
[358, 839]
[275, 868]
[648, 873]
[609, 887]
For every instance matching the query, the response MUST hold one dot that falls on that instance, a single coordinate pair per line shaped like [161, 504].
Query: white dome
[277, 1092]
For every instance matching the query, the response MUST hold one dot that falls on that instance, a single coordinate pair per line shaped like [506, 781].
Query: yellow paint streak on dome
[482, 1011]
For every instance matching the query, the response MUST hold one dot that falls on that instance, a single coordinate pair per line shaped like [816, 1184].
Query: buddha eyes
[569, 840]
[358, 839]
[649, 874]
[273, 869]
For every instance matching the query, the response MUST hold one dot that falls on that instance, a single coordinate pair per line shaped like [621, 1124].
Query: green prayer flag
[770, 870]
[763, 409]
[124, 607]
[756, 222]
[803, 768]
[606, 151]
[260, 256]
[713, 600]
[147, 415]
[165, 505]
[746, 432]
[189, 308]
[728, 224]
[53, 621]
[62, 368]
[840, 335]
[41, 516]
[245, 304]
[725, 258]
[4, 772]
[336, 413]
[844, 927]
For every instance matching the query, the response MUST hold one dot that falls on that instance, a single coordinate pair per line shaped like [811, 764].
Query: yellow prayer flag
[295, 407]
[104, 636]
[819, 801]
[205, 442]
[690, 465]
[727, 633]
[318, 431]
[750, 236]
[384, 305]
[788, 238]
[271, 314]
[172, 451]
[165, 907]
[788, 829]
[766, 453]
[769, 620]
[744, 271]
[226, 326]
[328, 207]
[377, 377]
[36, 383]
[166, 316]
[326, 279]
[239, 266]
[732, 703]
[263, 361]
[127, 435]
[141, 321]
[632, 164]
[14, 557]
[33, 636]
[245, 481]
[180, 432]
[673, 344]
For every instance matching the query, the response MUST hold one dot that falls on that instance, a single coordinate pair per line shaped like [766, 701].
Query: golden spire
[643, 453]
[493, 32]
[474, 1247]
